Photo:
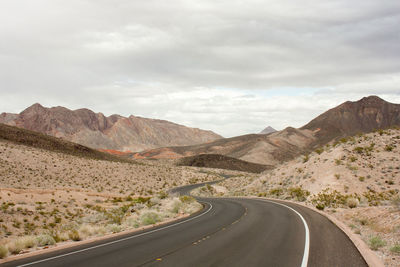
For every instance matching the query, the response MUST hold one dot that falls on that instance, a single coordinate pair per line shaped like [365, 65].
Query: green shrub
[319, 150]
[150, 218]
[394, 249]
[306, 158]
[388, 148]
[3, 251]
[361, 178]
[187, 199]
[320, 206]
[276, 191]
[376, 242]
[359, 149]
[298, 193]
[44, 240]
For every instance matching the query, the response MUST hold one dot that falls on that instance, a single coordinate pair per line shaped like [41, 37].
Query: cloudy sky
[230, 66]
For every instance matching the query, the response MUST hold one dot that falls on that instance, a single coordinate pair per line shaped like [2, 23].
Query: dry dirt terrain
[48, 197]
[356, 180]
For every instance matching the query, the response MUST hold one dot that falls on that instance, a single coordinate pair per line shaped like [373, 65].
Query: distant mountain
[347, 119]
[268, 130]
[115, 132]
[263, 149]
[367, 114]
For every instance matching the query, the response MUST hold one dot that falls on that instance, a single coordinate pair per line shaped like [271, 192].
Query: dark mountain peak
[350, 118]
[268, 130]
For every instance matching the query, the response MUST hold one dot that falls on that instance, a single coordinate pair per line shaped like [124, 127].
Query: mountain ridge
[347, 119]
[98, 131]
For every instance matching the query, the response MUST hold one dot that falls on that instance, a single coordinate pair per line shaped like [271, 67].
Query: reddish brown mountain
[115, 132]
[368, 114]
[347, 119]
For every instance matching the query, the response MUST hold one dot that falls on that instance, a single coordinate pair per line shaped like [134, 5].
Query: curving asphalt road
[227, 232]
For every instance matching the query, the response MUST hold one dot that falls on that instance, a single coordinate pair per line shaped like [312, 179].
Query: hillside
[349, 118]
[262, 149]
[115, 132]
[356, 180]
[222, 162]
[50, 143]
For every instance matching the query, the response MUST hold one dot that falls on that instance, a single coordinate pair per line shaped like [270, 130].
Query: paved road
[228, 232]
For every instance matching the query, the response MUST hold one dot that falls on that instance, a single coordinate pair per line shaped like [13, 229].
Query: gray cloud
[170, 59]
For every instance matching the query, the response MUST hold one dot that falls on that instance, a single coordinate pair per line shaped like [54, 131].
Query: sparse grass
[150, 218]
[375, 242]
[395, 248]
[3, 251]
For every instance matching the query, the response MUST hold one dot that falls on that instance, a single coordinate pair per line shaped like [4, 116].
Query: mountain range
[347, 119]
[151, 138]
[115, 132]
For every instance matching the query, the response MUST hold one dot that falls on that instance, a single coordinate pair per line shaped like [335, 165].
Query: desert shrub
[15, 246]
[352, 202]
[28, 241]
[44, 240]
[175, 205]
[3, 251]
[306, 158]
[375, 242]
[150, 218]
[337, 176]
[375, 198]
[187, 199]
[320, 206]
[298, 193]
[353, 158]
[114, 228]
[162, 195]
[330, 199]
[276, 191]
[395, 248]
[338, 162]
[359, 149]
[389, 148]
[74, 235]
[361, 178]
[319, 150]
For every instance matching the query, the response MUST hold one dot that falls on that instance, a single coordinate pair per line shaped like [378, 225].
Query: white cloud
[220, 65]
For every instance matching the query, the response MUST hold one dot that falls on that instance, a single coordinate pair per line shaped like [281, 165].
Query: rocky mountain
[115, 132]
[268, 130]
[347, 119]
[351, 118]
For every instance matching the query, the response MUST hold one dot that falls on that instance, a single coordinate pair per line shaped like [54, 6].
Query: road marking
[307, 231]
[119, 240]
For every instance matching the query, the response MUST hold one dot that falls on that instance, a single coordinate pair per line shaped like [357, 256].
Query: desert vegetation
[48, 197]
[355, 179]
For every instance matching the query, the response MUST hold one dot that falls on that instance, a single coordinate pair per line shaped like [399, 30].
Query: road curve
[227, 232]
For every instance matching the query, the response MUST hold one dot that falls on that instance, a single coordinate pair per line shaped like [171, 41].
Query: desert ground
[48, 197]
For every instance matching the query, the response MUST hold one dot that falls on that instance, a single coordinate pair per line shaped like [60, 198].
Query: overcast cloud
[233, 67]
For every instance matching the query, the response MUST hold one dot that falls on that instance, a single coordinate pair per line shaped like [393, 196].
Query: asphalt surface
[227, 232]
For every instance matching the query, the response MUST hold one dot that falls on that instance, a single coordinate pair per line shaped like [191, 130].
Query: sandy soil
[49, 197]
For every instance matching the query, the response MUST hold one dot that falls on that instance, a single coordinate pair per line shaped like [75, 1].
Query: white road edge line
[119, 240]
[307, 231]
